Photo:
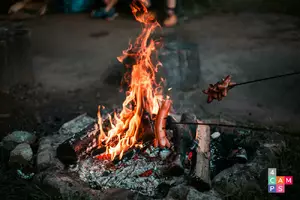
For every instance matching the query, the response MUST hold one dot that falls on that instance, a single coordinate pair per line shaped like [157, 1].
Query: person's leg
[110, 4]
[108, 12]
[172, 17]
[147, 3]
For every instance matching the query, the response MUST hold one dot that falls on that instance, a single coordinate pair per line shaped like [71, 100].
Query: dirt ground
[76, 68]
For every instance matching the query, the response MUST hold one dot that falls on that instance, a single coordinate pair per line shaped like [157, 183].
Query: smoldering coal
[144, 173]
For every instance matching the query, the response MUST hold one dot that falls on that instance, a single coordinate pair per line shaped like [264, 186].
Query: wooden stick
[201, 177]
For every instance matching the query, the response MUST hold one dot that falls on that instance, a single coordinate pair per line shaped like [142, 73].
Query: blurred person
[108, 12]
[172, 18]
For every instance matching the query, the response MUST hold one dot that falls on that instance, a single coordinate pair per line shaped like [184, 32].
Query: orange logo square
[280, 180]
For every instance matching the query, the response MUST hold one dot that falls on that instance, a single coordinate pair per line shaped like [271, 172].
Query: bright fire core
[144, 93]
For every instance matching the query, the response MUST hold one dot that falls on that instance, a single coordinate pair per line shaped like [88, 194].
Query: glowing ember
[144, 94]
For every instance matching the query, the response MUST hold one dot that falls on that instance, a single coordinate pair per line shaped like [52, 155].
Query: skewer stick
[235, 126]
[265, 79]
[220, 90]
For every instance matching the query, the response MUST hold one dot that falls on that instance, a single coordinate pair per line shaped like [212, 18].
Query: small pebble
[215, 135]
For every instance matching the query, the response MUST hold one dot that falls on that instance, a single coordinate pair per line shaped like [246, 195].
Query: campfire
[146, 147]
[143, 96]
[145, 108]
[143, 131]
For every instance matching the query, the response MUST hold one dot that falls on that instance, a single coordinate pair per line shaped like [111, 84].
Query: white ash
[126, 174]
[164, 154]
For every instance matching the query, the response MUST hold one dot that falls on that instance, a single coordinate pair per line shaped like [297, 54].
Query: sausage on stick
[161, 139]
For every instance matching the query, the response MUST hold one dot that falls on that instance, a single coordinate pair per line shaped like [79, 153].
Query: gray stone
[215, 135]
[48, 147]
[61, 184]
[45, 154]
[241, 178]
[45, 143]
[213, 192]
[194, 194]
[178, 192]
[18, 137]
[22, 154]
[185, 192]
[76, 125]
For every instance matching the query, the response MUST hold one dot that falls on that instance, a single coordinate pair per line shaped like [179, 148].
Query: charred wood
[85, 143]
[183, 139]
[196, 139]
[79, 146]
[183, 135]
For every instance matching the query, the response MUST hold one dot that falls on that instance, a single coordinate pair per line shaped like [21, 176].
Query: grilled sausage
[161, 139]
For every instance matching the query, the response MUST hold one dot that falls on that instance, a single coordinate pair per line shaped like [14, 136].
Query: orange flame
[144, 93]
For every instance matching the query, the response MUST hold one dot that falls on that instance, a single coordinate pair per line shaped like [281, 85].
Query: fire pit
[147, 148]
[145, 169]
[238, 159]
[139, 146]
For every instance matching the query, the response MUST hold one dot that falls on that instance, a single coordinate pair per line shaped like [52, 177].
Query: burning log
[201, 174]
[85, 143]
[79, 145]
